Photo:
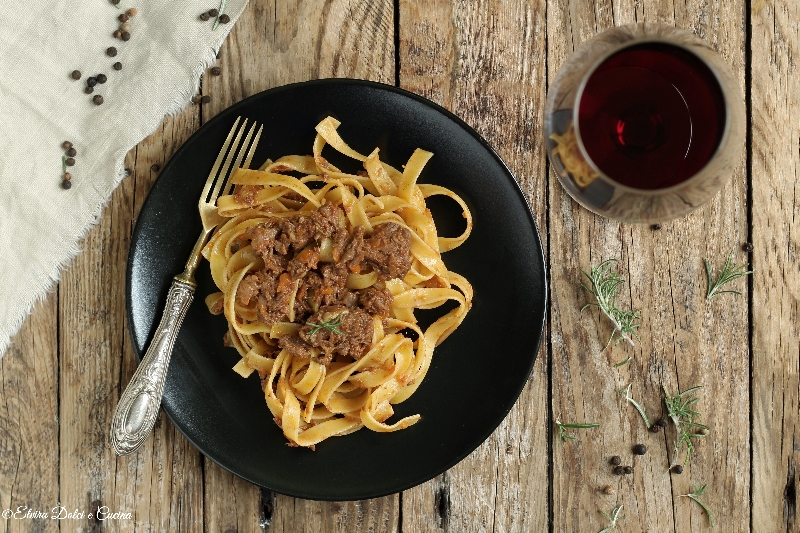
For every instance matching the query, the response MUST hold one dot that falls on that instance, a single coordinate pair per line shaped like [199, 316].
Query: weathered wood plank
[160, 485]
[776, 282]
[277, 42]
[485, 61]
[685, 339]
[29, 420]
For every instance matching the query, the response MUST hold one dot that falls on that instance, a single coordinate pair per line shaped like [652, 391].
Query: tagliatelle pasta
[320, 272]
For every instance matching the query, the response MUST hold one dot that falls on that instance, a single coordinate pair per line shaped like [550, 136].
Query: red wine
[651, 116]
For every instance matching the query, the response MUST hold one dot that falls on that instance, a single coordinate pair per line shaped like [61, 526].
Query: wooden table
[489, 62]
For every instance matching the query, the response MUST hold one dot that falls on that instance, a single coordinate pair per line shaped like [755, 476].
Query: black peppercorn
[677, 469]
[67, 176]
[115, 2]
[111, 51]
[155, 167]
[627, 469]
[66, 184]
[76, 74]
[123, 17]
[619, 470]
[97, 99]
[661, 422]
[640, 449]
[126, 36]
[72, 152]
[131, 12]
[117, 66]
[91, 81]
[88, 90]
[655, 428]
[655, 227]
[213, 12]
[608, 489]
[127, 172]
[118, 34]
[66, 145]
[224, 18]
[69, 162]
[204, 16]
[206, 99]
[101, 78]
[615, 460]
[747, 247]
[216, 71]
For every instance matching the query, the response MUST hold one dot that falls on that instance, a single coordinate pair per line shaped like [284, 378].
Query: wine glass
[644, 123]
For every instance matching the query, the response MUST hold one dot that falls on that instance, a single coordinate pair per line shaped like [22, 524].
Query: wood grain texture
[29, 419]
[686, 340]
[485, 61]
[776, 283]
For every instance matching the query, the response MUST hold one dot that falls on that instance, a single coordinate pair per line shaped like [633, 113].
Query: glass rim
[628, 44]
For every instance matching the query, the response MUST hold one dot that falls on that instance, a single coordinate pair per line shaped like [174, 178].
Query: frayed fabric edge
[176, 106]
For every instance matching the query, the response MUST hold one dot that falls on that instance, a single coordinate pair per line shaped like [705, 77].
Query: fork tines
[233, 154]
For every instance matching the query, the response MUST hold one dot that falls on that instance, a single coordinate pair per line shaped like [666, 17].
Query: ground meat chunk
[326, 220]
[248, 289]
[334, 278]
[388, 251]
[262, 238]
[295, 346]
[376, 301]
[246, 195]
[305, 261]
[354, 251]
[350, 333]
[273, 303]
[340, 240]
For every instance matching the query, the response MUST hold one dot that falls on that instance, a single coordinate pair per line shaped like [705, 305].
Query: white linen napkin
[41, 106]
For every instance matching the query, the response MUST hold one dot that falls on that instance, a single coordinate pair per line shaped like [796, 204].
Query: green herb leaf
[613, 517]
[562, 433]
[331, 325]
[696, 493]
[627, 392]
[684, 419]
[63, 164]
[221, 11]
[623, 363]
[726, 275]
[605, 284]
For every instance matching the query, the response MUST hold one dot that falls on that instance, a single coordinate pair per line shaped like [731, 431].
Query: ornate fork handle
[138, 407]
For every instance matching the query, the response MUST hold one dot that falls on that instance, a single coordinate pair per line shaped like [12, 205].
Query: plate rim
[539, 325]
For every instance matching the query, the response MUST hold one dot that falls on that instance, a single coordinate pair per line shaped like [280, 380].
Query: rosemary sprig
[627, 392]
[221, 11]
[331, 325]
[562, 429]
[696, 493]
[63, 164]
[613, 517]
[680, 409]
[623, 363]
[726, 275]
[605, 284]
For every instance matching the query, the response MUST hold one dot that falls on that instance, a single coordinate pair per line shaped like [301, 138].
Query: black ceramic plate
[477, 373]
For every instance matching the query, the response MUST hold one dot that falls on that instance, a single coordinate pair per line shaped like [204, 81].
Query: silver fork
[138, 406]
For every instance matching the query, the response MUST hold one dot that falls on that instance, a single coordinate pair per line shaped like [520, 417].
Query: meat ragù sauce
[297, 285]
